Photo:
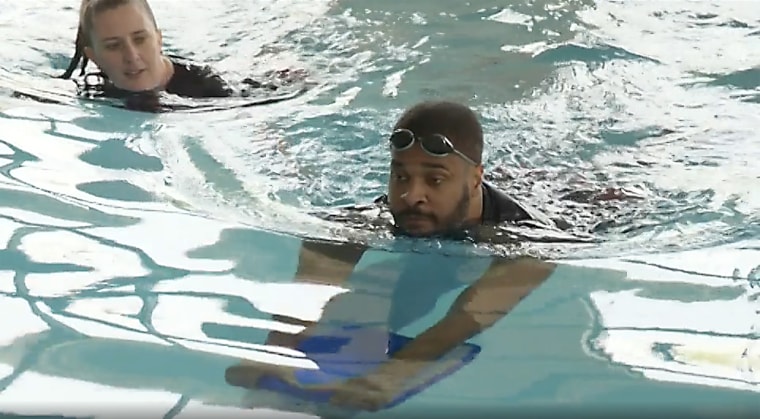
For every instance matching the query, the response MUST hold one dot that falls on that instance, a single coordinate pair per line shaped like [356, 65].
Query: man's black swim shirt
[498, 207]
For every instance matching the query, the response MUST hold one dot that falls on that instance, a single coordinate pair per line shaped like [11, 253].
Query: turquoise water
[137, 254]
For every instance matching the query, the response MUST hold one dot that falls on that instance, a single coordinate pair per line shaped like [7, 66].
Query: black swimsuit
[194, 81]
[498, 207]
[190, 80]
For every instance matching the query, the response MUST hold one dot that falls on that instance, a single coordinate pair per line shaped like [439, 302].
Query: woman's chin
[137, 86]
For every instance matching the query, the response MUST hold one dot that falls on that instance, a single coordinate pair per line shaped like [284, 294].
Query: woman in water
[123, 39]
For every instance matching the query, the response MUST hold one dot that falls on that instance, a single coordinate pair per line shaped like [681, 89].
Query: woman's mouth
[134, 74]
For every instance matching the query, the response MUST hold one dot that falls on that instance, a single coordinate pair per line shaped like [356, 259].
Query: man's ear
[477, 178]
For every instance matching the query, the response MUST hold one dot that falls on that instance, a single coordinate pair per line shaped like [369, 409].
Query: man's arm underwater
[477, 308]
[319, 262]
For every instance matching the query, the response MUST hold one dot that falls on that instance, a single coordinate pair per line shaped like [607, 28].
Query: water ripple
[131, 244]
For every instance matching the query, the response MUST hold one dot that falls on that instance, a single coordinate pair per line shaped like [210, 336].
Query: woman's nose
[130, 53]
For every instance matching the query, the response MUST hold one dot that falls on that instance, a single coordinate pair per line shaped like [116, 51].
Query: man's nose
[415, 194]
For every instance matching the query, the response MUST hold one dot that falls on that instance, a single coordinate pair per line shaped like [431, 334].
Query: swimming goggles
[436, 144]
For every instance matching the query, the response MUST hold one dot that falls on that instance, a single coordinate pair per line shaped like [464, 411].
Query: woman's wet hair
[87, 11]
[454, 120]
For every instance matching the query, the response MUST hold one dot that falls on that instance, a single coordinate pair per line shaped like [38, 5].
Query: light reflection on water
[133, 265]
[649, 314]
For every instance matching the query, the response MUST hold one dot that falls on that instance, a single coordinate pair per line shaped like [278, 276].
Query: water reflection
[120, 293]
[227, 317]
[364, 360]
[699, 325]
[80, 174]
[174, 334]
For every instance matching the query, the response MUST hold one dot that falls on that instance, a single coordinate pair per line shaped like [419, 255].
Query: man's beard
[452, 224]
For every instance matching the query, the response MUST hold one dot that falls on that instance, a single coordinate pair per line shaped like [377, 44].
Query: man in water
[435, 188]
[436, 184]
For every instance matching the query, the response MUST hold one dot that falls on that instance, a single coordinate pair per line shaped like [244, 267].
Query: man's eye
[437, 180]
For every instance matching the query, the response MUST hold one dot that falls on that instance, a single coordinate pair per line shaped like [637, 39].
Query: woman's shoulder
[190, 80]
[195, 80]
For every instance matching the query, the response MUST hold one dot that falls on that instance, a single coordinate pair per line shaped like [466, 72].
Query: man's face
[427, 194]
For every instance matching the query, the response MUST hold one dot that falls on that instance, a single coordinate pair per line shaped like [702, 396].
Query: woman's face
[127, 47]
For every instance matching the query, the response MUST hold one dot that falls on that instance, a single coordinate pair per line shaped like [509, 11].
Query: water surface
[137, 259]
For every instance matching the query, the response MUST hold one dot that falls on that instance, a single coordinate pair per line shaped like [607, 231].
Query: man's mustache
[414, 212]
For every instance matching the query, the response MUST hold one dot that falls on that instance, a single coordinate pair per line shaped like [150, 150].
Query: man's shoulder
[501, 207]
[380, 200]
[358, 215]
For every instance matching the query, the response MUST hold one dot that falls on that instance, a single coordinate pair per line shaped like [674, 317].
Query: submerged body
[122, 38]
[189, 80]
[505, 219]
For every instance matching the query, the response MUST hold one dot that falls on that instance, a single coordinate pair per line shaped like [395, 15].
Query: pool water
[142, 255]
